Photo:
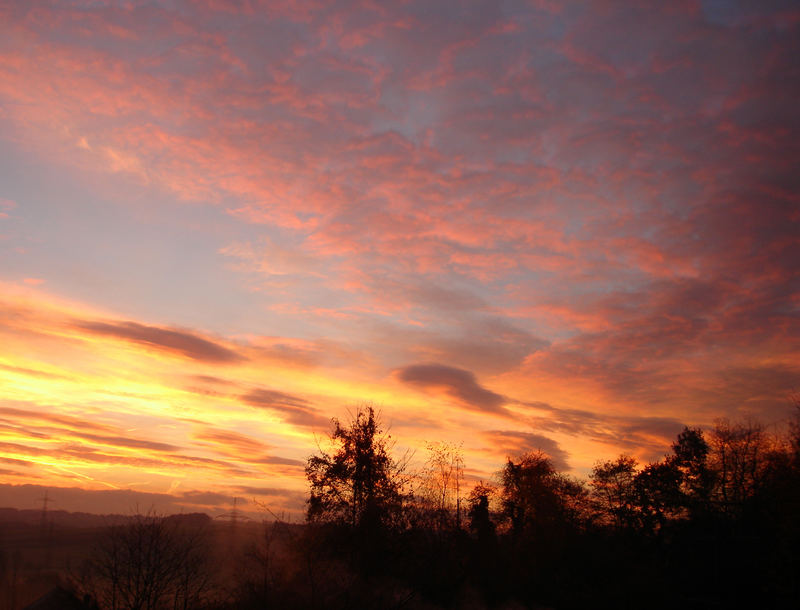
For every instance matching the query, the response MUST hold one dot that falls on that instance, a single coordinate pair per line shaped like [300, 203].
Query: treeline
[714, 524]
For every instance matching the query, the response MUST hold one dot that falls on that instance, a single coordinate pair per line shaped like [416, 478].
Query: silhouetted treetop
[534, 496]
[357, 482]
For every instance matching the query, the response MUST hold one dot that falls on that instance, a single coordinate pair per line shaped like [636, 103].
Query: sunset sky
[566, 226]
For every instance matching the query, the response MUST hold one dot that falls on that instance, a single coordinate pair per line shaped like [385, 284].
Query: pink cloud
[617, 185]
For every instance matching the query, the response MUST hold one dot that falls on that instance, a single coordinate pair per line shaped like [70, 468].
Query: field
[35, 556]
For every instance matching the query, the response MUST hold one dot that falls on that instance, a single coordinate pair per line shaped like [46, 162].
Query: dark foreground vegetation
[712, 525]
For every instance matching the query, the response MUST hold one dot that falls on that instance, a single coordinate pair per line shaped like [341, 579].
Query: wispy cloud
[565, 219]
[166, 339]
[456, 383]
[294, 409]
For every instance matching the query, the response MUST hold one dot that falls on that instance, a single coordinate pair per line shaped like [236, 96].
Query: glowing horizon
[535, 225]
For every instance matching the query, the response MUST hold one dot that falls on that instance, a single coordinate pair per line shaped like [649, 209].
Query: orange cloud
[580, 224]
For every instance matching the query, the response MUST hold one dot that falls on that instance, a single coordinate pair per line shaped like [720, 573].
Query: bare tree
[614, 490]
[442, 479]
[150, 563]
[739, 455]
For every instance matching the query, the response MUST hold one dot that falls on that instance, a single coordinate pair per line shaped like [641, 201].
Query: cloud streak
[572, 220]
[293, 409]
[169, 340]
[456, 383]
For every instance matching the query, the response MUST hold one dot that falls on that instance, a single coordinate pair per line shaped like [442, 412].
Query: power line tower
[234, 522]
[233, 516]
[46, 530]
[45, 501]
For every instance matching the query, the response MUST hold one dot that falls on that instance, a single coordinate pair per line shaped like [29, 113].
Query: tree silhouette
[442, 478]
[536, 498]
[614, 490]
[740, 456]
[658, 497]
[358, 483]
[480, 519]
[690, 458]
[150, 563]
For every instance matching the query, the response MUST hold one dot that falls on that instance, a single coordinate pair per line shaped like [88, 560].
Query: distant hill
[14, 516]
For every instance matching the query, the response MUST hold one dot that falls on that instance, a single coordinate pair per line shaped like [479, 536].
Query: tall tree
[689, 458]
[357, 482]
